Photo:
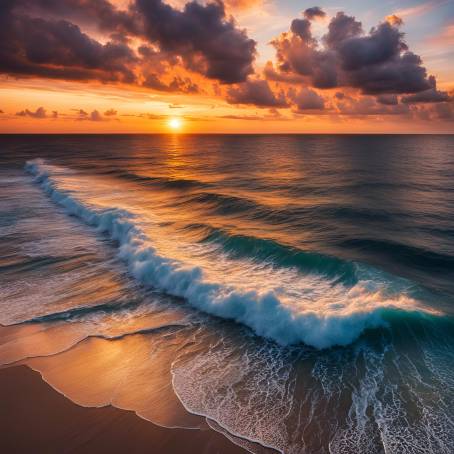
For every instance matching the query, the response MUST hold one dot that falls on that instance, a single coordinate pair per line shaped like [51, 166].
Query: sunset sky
[238, 66]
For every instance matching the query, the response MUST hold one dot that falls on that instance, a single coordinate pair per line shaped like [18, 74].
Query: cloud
[307, 99]
[177, 84]
[394, 20]
[368, 105]
[34, 46]
[378, 62]
[270, 73]
[39, 113]
[417, 10]
[43, 38]
[96, 116]
[314, 13]
[342, 28]
[110, 113]
[101, 13]
[444, 111]
[255, 92]
[202, 36]
[388, 100]
[432, 95]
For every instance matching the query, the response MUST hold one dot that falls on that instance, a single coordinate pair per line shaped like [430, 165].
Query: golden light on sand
[175, 124]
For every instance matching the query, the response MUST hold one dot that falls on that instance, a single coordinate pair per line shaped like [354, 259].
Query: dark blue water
[299, 289]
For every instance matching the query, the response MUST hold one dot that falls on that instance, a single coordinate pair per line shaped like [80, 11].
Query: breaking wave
[348, 300]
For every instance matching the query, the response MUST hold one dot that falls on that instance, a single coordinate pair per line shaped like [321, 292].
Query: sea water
[295, 293]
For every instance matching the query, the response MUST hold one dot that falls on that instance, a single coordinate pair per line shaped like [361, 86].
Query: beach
[36, 418]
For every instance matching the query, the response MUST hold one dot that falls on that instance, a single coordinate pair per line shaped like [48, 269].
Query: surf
[325, 313]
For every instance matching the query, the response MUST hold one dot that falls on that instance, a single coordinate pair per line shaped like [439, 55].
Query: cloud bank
[197, 48]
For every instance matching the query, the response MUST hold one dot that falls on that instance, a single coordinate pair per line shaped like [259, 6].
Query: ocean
[294, 292]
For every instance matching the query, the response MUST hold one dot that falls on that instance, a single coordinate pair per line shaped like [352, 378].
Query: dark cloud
[205, 39]
[307, 99]
[256, 92]
[432, 95]
[388, 100]
[383, 45]
[376, 63]
[342, 28]
[271, 73]
[34, 46]
[39, 113]
[177, 84]
[314, 13]
[110, 113]
[302, 28]
[41, 38]
[368, 105]
[100, 13]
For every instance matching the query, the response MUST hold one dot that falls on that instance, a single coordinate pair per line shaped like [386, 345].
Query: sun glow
[175, 124]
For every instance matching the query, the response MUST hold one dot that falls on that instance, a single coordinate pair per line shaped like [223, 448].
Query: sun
[175, 123]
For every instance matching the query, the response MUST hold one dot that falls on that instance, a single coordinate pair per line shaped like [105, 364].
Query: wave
[168, 183]
[239, 246]
[264, 312]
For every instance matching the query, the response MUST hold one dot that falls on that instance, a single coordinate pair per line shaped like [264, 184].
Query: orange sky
[266, 99]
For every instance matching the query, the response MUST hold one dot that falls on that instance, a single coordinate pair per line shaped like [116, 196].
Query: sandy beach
[36, 418]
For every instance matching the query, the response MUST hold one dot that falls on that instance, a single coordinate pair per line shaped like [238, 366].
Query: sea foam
[265, 313]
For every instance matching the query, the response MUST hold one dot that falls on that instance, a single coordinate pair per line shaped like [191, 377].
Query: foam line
[262, 312]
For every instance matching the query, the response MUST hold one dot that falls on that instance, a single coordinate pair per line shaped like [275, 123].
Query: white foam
[265, 312]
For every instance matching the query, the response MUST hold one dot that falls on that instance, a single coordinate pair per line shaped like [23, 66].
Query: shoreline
[36, 418]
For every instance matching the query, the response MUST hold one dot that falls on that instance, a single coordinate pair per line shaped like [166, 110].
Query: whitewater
[337, 318]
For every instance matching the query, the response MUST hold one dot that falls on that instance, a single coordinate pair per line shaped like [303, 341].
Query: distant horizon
[227, 134]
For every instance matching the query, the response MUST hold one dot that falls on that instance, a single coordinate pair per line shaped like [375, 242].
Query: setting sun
[175, 123]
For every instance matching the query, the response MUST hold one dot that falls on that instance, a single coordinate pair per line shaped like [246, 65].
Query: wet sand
[36, 418]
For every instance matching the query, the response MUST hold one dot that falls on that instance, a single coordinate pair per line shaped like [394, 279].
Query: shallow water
[297, 291]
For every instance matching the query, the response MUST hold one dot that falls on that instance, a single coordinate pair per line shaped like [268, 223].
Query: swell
[239, 246]
[169, 183]
[264, 313]
[406, 254]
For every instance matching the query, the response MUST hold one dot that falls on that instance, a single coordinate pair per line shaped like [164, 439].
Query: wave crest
[264, 312]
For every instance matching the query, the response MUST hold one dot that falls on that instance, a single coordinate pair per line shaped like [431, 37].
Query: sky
[231, 66]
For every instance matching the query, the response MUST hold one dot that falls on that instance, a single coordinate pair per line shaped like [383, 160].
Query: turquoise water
[296, 292]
